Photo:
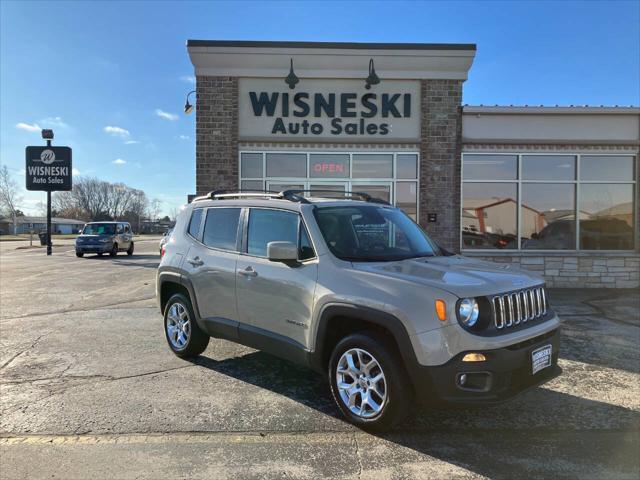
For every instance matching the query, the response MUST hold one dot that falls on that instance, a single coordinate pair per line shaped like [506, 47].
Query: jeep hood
[462, 276]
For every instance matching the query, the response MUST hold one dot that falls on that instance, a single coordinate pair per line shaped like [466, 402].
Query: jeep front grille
[514, 308]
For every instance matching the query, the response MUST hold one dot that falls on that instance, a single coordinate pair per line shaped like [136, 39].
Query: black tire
[130, 249]
[99, 254]
[398, 388]
[114, 250]
[79, 254]
[197, 341]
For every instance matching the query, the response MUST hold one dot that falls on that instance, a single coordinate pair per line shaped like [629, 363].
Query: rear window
[194, 223]
[221, 228]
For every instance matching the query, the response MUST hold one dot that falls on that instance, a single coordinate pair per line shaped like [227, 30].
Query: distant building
[38, 224]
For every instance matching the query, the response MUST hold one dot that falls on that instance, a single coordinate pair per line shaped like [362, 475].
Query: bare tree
[94, 199]
[154, 209]
[173, 213]
[9, 196]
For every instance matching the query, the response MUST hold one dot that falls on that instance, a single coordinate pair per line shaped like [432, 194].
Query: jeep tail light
[162, 250]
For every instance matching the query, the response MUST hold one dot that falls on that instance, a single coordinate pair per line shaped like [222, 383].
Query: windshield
[372, 233]
[99, 229]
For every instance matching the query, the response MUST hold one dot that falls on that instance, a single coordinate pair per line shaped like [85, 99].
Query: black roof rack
[227, 194]
[363, 196]
[296, 195]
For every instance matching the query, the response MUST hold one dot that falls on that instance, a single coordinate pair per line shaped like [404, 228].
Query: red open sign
[328, 167]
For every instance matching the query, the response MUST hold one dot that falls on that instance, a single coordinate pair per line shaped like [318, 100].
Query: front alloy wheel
[361, 383]
[369, 382]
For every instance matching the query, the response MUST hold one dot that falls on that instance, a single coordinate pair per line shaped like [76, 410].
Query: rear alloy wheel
[369, 382]
[181, 330]
[114, 250]
[130, 249]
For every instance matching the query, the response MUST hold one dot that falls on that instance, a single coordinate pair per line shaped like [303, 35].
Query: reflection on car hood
[459, 275]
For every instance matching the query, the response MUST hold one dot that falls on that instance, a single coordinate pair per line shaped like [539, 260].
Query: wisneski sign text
[350, 105]
[329, 109]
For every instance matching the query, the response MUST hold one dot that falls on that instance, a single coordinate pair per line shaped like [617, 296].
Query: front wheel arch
[358, 318]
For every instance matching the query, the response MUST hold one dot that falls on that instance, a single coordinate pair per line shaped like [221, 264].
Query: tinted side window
[270, 226]
[194, 223]
[306, 250]
[221, 228]
[127, 229]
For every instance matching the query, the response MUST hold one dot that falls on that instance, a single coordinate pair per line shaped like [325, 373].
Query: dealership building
[551, 189]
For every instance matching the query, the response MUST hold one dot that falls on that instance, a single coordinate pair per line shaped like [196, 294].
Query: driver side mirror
[282, 252]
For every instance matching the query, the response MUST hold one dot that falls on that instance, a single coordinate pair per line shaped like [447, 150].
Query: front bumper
[505, 373]
[94, 248]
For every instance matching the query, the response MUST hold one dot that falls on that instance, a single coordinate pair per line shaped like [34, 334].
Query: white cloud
[75, 172]
[54, 122]
[184, 137]
[188, 79]
[166, 115]
[119, 161]
[117, 131]
[29, 127]
[131, 142]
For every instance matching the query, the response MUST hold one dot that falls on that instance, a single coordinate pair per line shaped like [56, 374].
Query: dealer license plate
[540, 359]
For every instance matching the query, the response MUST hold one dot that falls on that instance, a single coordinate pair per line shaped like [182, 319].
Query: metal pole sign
[48, 169]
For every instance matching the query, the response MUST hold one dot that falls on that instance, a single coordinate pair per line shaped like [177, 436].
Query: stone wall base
[579, 271]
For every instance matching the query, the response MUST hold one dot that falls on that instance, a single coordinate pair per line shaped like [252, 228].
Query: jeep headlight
[468, 311]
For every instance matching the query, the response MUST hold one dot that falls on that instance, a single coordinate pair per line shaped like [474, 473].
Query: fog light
[462, 379]
[474, 357]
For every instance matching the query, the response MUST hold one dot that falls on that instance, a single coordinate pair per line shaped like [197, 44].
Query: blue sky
[111, 77]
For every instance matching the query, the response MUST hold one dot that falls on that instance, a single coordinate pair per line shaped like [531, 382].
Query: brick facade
[216, 134]
[440, 154]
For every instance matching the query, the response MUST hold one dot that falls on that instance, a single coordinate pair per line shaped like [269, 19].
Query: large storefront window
[548, 202]
[392, 177]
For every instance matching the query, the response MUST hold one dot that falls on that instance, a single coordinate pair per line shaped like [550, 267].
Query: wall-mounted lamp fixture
[372, 79]
[292, 79]
[188, 108]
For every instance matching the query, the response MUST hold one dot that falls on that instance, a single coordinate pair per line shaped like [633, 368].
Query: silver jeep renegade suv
[354, 289]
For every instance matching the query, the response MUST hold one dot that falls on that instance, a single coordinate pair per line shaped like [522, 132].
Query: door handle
[248, 272]
[196, 262]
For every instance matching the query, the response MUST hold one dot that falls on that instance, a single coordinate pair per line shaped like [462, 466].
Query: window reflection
[251, 185]
[548, 216]
[372, 166]
[407, 166]
[489, 215]
[606, 217]
[490, 167]
[292, 165]
[383, 192]
[251, 165]
[606, 167]
[407, 198]
[548, 167]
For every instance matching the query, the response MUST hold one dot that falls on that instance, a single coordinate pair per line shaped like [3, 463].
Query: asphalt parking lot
[89, 389]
